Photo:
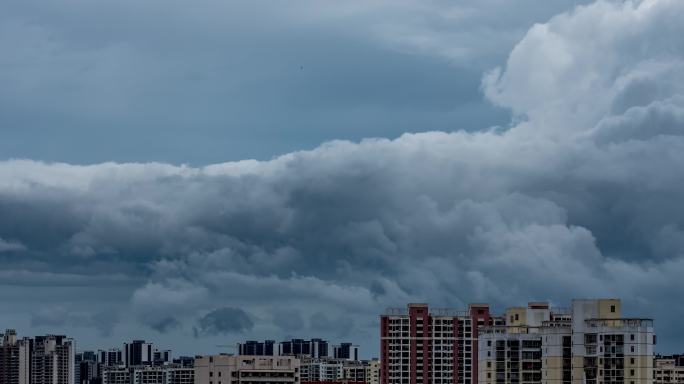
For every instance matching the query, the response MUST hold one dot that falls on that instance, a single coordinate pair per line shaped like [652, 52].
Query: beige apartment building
[590, 343]
[240, 369]
[373, 372]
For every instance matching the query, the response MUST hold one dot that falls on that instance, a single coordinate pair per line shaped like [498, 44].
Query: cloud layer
[580, 198]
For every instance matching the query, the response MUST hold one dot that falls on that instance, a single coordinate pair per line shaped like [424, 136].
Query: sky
[197, 176]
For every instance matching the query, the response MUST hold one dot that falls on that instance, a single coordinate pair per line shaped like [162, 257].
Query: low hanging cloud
[11, 246]
[580, 198]
[223, 321]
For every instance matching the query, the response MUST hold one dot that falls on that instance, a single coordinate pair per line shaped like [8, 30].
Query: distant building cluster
[589, 342]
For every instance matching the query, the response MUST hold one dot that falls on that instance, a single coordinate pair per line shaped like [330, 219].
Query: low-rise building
[240, 369]
[668, 370]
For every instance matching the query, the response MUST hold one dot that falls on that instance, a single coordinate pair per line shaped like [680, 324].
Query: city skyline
[204, 174]
[591, 341]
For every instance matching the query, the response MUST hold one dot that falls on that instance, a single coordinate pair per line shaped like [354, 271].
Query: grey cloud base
[580, 199]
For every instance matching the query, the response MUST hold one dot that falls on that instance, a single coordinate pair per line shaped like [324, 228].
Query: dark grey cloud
[288, 320]
[580, 197]
[54, 319]
[164, 325]
[223, 321]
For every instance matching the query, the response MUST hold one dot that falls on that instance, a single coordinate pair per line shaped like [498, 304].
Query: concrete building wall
[225, 369]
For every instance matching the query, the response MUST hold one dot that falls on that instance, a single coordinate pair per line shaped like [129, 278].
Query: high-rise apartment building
[137, 353]
[257, 348]
[346, 351]
[52, 360]
[314, 348]
[438, 346]
[15, 358]
[87, 368]
[591, 343]
[227, 369]
[111, 357]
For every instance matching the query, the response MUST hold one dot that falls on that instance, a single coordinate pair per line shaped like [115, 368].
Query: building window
[211, 374]
[631, 372]
[631, 361]
[632, 348]
[612, 309]
[631, 337]
[517, 317]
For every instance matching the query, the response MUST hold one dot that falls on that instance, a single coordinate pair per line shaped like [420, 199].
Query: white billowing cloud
[581, 199]
[568, 74]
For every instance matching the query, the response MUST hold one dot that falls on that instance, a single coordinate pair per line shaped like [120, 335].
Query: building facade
[138, 353]
[438, 346]
[148, 374]
[258, 348]
[227, 369]
[314, 348]
[373, 371]
[346, 351]
[15, 358]
[591, 343]
[668, 369]
[320, 370]
[52, 360]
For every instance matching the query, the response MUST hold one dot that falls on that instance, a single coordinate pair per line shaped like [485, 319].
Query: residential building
[438, 346]
[346, 351]
[373, 371]
[257, 348]
[320, 370]
[354, 370]
[110, 357]
[52, 360]
[87, 368]
[179, 374]
[161, 357]
[15, 358]
[512, 353]
[148, 374]
[116, 375]
[314, 348]
[137, 353]
[591, 343]
[668, 369]
[240, 369]
[184, 361]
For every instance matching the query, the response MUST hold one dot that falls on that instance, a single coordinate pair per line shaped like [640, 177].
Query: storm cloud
[223, 321]
[579, 197]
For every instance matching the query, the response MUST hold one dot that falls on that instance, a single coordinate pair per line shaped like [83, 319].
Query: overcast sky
[200, 175]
